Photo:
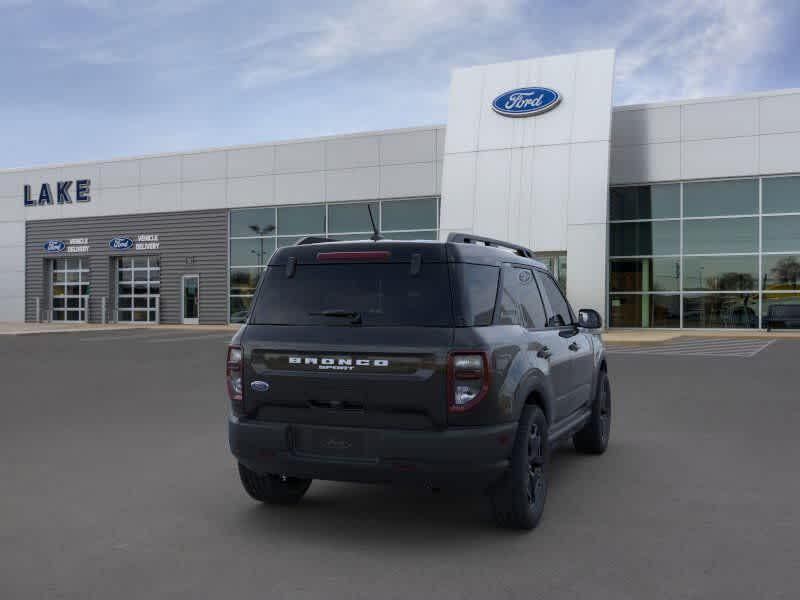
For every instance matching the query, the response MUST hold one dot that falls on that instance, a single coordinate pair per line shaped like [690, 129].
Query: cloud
[690, 48]
[366, 29]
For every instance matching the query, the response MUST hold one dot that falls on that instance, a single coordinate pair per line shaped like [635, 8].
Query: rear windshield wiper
[354, 316]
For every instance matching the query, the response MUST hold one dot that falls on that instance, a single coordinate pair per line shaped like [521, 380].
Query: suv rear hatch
[351, 335]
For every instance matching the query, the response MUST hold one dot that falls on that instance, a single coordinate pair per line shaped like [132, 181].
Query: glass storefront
[255, 233]
[703, 254]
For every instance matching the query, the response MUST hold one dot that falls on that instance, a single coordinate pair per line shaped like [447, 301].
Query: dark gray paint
[202, 235]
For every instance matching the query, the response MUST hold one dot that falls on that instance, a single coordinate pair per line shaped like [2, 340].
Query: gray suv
[456, 363]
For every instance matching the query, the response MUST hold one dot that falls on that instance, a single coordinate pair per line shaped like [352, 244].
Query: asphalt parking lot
[116, 482]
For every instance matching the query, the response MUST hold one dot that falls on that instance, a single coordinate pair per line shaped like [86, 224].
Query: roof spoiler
[468, 238]
[313, 239]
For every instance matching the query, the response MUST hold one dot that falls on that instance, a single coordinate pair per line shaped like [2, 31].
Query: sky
[97, 79]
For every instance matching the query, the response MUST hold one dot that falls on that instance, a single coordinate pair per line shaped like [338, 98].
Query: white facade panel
[586, 267]
[299, 188]
[41, 213]
[585, 205]
[520, 193]
[300, 156]
[723, 119]
[492, 193]
[351, 152]
[249, 162]
[199, 195]
[251, 191]
[731, 157]
[779, 153]
[458, 206]
[496, 131]
[548, 223]
[120, 201]
[11, 209]
[160, 198]
[121, 173]
[779, 113]
[464, 110]
[594, 90]
[555, 126]
[160, 169]
[12, 235]
[651, 162]
[205, 165]
[11, 183]
[408, 147]
[646, 126]
[351, 184]
[399, 181]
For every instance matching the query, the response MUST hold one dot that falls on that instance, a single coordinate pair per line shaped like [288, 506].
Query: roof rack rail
[313, 239]
[468, 238]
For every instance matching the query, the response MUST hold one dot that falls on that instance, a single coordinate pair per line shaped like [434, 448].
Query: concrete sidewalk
[652, 336]
[7, 328]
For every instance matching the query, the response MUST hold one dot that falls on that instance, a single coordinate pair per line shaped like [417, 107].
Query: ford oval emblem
[526, 102]
[120, 243]
[259, 386]
[54, 246]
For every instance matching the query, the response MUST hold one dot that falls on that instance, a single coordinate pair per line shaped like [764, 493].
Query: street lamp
[261, 232]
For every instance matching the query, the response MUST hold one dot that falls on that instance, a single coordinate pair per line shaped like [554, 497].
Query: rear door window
[561, 314]
[520, 302]
[355, 295]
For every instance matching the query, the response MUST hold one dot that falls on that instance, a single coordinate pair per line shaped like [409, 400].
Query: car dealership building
[678, 214]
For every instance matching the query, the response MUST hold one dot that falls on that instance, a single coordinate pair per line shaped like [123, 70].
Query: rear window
[355, 294]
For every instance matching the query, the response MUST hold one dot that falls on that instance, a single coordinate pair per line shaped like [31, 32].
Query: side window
[477, 286]
[562, 315]
[520, 303]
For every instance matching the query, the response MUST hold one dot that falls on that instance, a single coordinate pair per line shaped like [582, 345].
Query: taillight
[467, 379]
[233, 376]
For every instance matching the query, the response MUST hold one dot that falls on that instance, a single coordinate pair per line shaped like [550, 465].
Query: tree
[786, 271]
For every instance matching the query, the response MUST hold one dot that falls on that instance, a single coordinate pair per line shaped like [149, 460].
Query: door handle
[574, 347]
[544, 352]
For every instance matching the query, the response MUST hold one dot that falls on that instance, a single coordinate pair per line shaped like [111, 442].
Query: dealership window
[255, 234]
[704, 254]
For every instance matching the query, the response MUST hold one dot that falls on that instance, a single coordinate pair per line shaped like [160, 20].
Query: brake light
[354, 256]
[467, 380]
[233, 376]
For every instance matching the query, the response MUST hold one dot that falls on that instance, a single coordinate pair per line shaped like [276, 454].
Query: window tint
[713, 198]
[375, 294]
[645, 239]
[520, 303]
[718, 236]
[645, 202]
[347, 218]
[781, 194]
[409, 214]
[561, 312]
[477, 285]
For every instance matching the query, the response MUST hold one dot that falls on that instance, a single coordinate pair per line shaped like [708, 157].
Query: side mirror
[589, 318]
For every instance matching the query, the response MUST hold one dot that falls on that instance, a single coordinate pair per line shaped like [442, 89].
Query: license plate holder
[330, 442]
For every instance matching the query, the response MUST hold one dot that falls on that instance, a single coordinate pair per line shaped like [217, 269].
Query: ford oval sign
[120, 243]
[526, 102]
[54, 246]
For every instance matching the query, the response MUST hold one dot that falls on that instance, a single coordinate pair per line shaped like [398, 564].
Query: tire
[273, 489]
[593, 438]
[518, 502]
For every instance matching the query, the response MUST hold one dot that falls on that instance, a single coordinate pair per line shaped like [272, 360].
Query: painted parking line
[209, 336]
[741, 348]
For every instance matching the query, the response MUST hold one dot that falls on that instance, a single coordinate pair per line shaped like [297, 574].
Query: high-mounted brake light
[468, 379]
[233, 376]
[354, 256]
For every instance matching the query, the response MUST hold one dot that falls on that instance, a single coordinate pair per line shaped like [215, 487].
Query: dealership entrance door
[191, 299]
[69, 289]
[138, 289]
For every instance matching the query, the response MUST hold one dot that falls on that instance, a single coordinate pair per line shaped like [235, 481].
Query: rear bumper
[463, 457]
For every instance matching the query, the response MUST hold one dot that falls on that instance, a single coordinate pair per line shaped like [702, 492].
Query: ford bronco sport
[442, 363]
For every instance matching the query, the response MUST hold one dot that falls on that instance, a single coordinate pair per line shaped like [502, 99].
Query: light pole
[261, 232]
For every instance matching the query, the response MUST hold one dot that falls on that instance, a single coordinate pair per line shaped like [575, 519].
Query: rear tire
[593, 438]
[273, 489]
[518, 501]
